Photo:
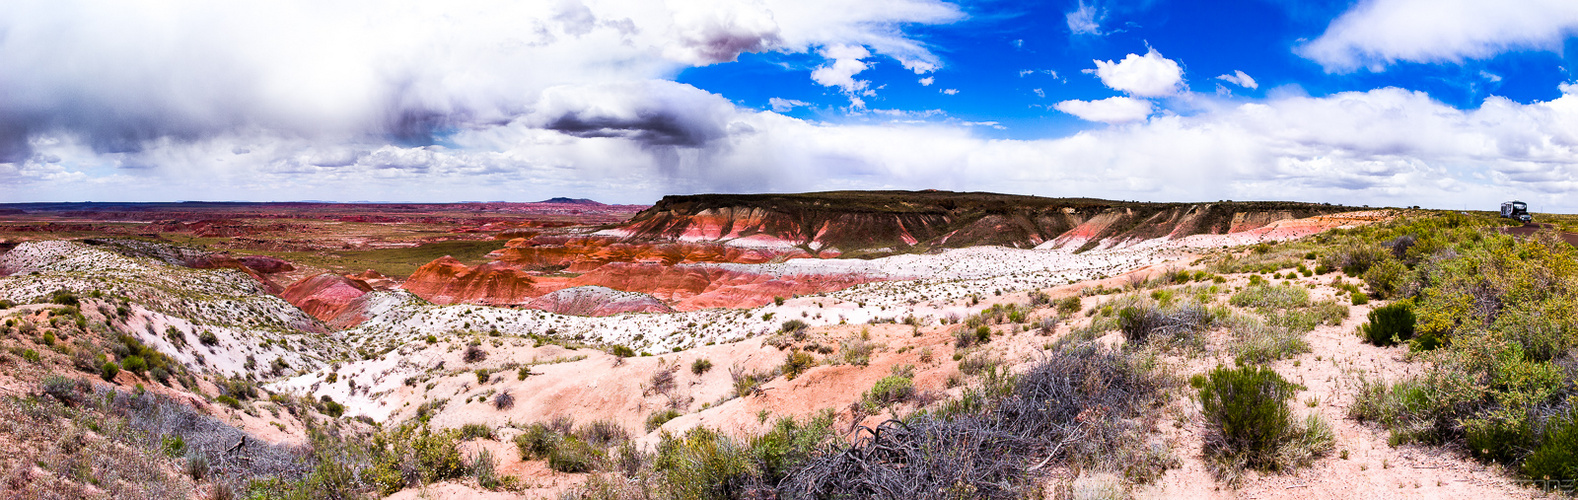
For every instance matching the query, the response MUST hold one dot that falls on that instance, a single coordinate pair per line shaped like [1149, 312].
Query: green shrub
[173, 446]
[1359, 298]
[1247, 413]
[797, 362]
[1145, 323]
[855, 351]
[622, 351]
[700, 366]
[475, 431]
[1284, 296]
[1068, 305]
[1389, 324]
[1256, 342]
[1556, 458]
[63, 389]
[228, 401]
[570, 454]
[414, 454]
[1423, 409]
[793, 325]
[49, 338]
[602, 433]
[63, 297]
[704, 465]
[208, 338]
[482, 376]
[1388, 278]
[109, 370]
[890, 389]
[660, 417]
[432, 339]
[330, 408]
[788, 445]
[134, 364]
[536, 442]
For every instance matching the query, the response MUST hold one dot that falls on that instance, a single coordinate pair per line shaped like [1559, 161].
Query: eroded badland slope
[1081, 364]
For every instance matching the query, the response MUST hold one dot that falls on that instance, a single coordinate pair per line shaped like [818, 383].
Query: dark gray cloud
[652, 129]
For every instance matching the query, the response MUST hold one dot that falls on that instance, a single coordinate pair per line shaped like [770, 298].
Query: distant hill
[572, 201]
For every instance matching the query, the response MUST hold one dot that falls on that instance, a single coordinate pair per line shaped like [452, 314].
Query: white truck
[1516, 210]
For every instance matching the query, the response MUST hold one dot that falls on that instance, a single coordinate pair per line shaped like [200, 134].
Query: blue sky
[1004, 51]
[1443, 103]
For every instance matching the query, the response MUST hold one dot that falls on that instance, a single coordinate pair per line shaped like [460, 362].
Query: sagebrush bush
[797, 362]
[855, 351]
[1389, 324]
[1284, 296]
[1556, 457]
[1246, 412]
[890, 389]
[536, 442]
[475, 431]
[1388, 279]
[602, 433]
[660, 417]
[414, 454]
[474, 353]
[1144, 322]
[1079, 406]
[700, 366]
[570, 454]
[704, 464]
[1256, 342]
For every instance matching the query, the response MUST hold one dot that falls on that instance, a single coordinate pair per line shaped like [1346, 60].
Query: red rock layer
[448, 281]
[325, 296]
[585, 254]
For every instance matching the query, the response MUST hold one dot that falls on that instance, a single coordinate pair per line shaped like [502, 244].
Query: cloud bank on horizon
[1445, 103]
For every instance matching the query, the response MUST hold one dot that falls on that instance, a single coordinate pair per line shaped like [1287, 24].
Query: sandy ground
[1372, 469]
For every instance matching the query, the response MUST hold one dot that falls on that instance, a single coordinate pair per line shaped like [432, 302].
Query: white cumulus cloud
[784, 105]
[121, 77]
[1376, 33]
[1241, 79]
[1150, 75]
[1084, 19]
[1109, 110]
[846, 63]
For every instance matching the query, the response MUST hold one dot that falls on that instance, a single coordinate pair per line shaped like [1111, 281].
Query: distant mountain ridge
[572, 201]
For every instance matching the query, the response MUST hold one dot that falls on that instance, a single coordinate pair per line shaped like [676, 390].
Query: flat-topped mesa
[876, 222]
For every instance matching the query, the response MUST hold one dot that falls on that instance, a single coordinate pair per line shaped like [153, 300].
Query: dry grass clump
[1081, 407]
